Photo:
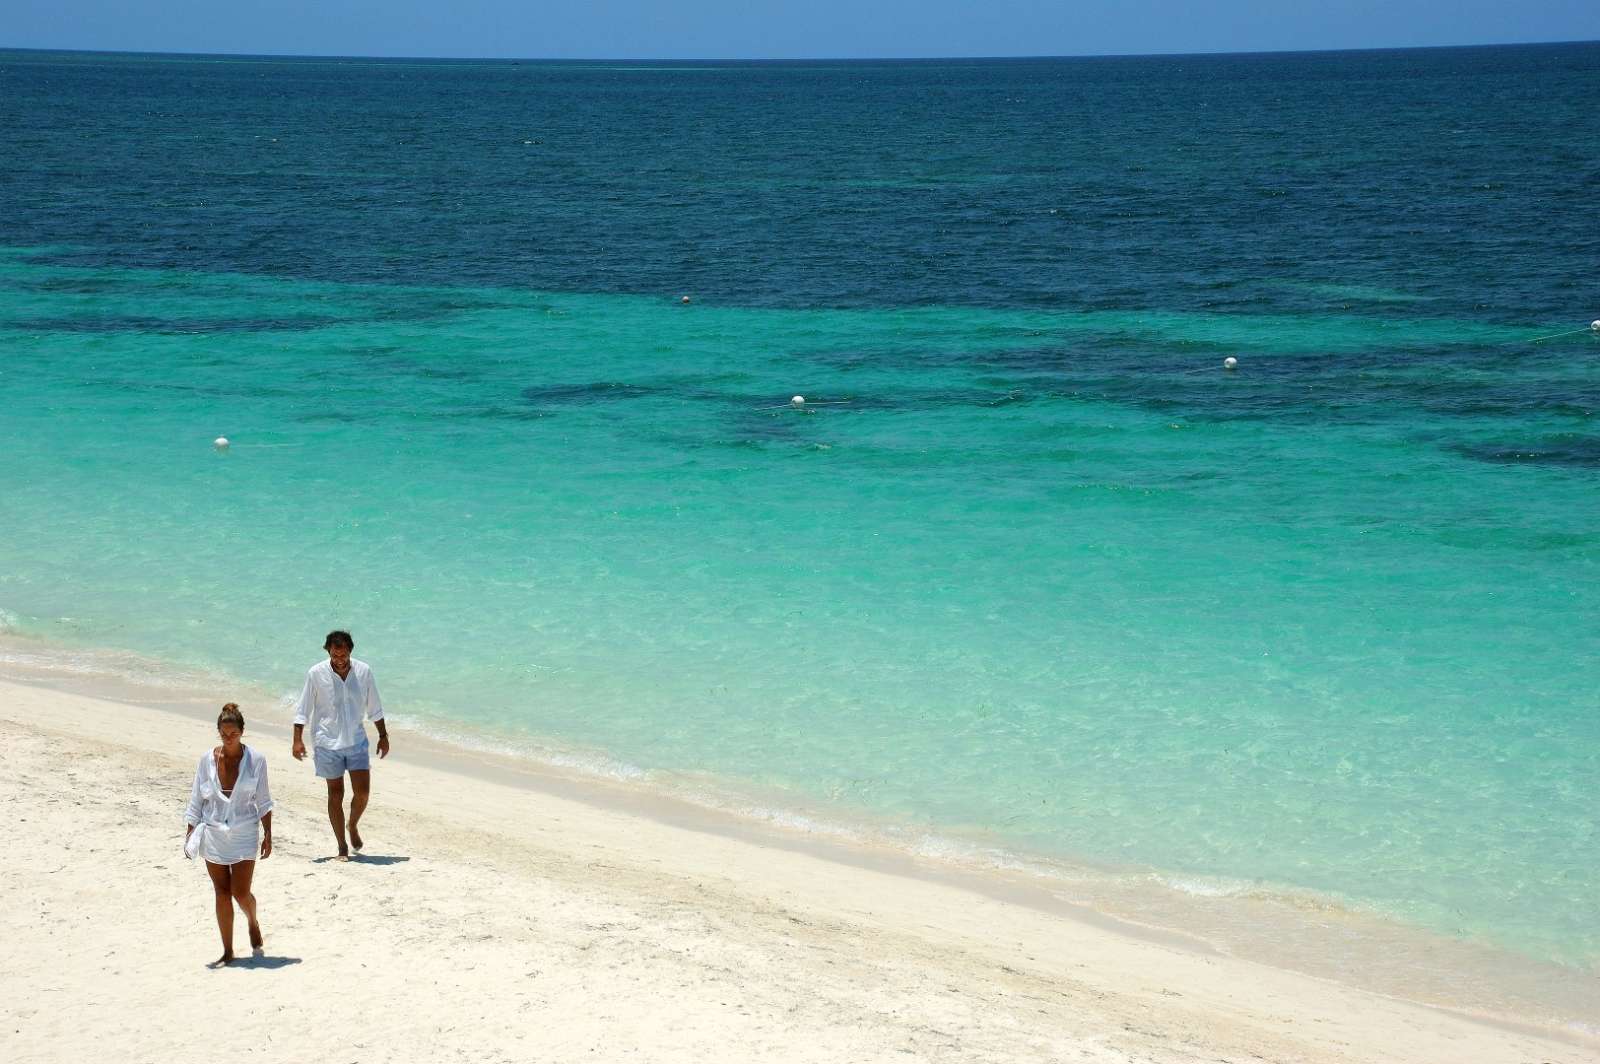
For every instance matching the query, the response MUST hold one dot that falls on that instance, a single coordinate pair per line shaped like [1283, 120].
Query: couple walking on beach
[229, 816]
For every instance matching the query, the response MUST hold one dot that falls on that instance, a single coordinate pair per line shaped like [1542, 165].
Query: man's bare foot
[255, 936]
[225, 959]
[355, 838]
[344, 853]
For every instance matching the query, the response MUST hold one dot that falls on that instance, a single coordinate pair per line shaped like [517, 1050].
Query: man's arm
[374, 709]
[302, 713]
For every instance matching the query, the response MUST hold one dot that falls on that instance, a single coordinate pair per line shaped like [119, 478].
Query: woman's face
[231, 734]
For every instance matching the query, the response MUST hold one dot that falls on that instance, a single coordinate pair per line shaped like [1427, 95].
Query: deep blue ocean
[1030, 577]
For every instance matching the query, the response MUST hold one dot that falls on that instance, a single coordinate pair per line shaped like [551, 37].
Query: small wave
[788, 819]
[1299, 898]
[25, 650]
[710, 795]
[1208, 888]
[128, 668]
[580, 763]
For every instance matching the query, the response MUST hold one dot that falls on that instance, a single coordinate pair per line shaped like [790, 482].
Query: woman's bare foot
[225, 959]
[255, 936]
[344, 854]
[355, 838]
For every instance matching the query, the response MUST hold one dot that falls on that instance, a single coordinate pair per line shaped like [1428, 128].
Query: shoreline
[1512, 1001]
[621, 933]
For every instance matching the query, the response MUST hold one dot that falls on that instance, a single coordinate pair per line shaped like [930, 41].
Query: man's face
[339, 654]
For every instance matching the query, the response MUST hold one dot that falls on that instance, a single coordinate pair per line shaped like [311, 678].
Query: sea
[507, 356]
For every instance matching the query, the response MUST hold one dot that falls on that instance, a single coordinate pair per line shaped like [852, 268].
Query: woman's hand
[266, 847]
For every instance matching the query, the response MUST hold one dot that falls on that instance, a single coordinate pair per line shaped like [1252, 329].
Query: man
[338, 693]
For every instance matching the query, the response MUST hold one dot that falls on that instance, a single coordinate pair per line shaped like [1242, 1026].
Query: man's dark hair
[339, 637]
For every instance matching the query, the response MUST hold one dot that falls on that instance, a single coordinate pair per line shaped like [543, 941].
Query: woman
[229, 800]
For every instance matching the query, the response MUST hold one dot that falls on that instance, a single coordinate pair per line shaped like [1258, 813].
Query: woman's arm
[264, 804]
[263, 796]
[191, 815]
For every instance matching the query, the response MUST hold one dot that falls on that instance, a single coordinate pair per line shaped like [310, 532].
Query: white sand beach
[491, 920]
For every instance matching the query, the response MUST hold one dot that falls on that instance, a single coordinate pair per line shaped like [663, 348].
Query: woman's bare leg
[222, 895]
[244, 874]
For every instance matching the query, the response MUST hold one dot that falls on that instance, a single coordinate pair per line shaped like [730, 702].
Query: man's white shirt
[334, 708]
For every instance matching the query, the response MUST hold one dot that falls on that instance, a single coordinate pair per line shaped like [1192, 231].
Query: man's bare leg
[222, 895]
[361, 786]
[336, 814]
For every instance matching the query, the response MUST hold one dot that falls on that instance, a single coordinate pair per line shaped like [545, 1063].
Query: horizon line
[794, 59]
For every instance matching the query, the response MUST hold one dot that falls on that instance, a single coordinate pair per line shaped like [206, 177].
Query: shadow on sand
[257, 960]
[364, 858]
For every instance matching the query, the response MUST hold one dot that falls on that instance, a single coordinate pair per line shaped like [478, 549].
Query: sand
[494, 919]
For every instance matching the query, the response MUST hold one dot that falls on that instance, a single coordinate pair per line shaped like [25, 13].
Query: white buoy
[1594, 326]
[1230, 363]
[798, 400]
[220, 443]
[685, 299]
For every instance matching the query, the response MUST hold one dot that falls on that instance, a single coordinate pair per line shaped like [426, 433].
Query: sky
[781, 29]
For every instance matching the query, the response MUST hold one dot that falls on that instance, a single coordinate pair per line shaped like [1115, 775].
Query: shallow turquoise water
[982, 594]
[1031, 569]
